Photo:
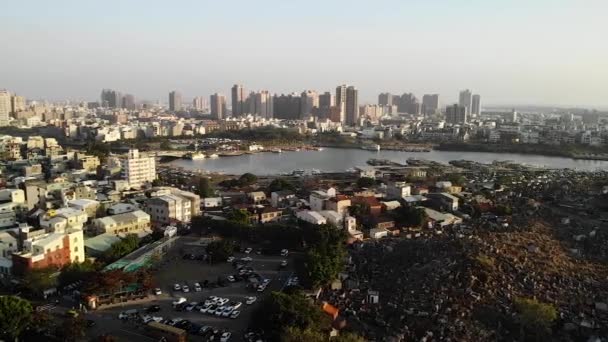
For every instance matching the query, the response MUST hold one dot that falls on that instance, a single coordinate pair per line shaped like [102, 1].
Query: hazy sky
[509, 51]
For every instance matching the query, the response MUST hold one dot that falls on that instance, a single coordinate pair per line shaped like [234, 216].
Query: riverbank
[571, 151]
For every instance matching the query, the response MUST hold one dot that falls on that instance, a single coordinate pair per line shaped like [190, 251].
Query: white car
[223, 301]
[230, 259]
[237, 305]
[218, 311]
[197, 287]
[212, 310]
[179, 301]
[225, 337]
[235, 314]
[227, 311]
[185, 288]
[206, 308]
[248, 250]
[158, 292]
[284, 252]
[231, 279]
[250, 300]
[177, 287]
[283, 263]
[247, 259]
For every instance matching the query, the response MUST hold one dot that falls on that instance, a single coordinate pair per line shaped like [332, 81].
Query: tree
[108, 282]
[280, 184]
[247, 179]
[15, 316]
[204, 188]
[76, 272]
[410, 216]
[457, 179]
[220, 250]
[239, 216]
[123, 247]
[366, 182]
[324, 260]
[281, 310]
[73, 328]
[534, 316]
[349, 337]
[165, 145]
[503, 210]
[294, 334]
[38, 280]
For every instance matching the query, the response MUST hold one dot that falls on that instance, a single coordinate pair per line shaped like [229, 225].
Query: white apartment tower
[5, 107]
[464, 100]
[138, 170]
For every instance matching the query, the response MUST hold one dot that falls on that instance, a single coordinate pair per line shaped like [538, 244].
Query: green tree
[73, 328]
[280, 184]
[535, 317]
[348, 337]
[280, 310]
[410, 216]
[295, 334]
[76, 272]
[15, 316]
[239, 216]
[457, 179]
[165, 145]
[324, 259]
[503, 210]
[247, 179]
[38, 280]
[204, 188]
[123, 247]
[366, 182]
[220, 250]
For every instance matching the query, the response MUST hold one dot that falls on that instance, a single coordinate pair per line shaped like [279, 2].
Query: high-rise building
[261, 104]
[408, 103]
[310, 101]
[138, 170]
[239, 97]
[106, 95]
[430, 104]
[352, 106]
[175, 101]
[5, 107]
[287, 107]
[456, 114]
[200, 104]
[341, 101]
[218, 106]
[464, 100]
[385, 99]
[17, 104]
[476, 105]
[128, 102]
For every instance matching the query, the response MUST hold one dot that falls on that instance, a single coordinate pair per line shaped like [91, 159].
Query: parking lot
[175, 269]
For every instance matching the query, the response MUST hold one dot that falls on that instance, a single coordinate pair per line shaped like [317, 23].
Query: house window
[76, 249]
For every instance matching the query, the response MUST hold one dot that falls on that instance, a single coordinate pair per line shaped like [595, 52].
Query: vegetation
[280, 184]
[457, 179]
[503, 210]
[15, 316]
[108, 282]
[239, 216]
[220, 250]
[268, 134]
[121, 248]
[281, 311]
[325, 257]
[245, 180]
[366, 182]
[76, 272]
[73, 328]
[410, 216]
[535, 317]
[38, 280]
[204, 188]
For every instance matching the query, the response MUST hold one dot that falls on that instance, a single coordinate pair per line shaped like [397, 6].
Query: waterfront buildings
[138, 170]
[239, 97]
[465, 100]
[218, 106]
[430, 104]
[456, 114]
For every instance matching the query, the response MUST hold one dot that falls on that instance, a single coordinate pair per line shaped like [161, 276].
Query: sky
[512, 52]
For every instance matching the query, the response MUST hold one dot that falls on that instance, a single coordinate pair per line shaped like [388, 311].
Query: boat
[214, 155]
[374, 147]
[195, 156]
[276, 150]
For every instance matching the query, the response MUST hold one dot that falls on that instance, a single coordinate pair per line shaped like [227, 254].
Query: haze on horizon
[541, 52]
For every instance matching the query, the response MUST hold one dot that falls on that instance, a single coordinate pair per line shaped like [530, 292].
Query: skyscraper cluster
[471, 102]
[114, 99]
[10, 104]
[218, 106]
[175, 101]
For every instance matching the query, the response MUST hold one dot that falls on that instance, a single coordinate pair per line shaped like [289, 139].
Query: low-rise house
[121, 208]
[136, 222]
[377, 233]
[98, 245]
[333, 217]
[212, 202]
[311, 217]
[441, 219]
[282, 199]
[339, 204]
[370, 204]
[88, 206]
[257, 196]
[445, 200]
[318, 198]
[398, 190]
[269, 214]
[390, 205]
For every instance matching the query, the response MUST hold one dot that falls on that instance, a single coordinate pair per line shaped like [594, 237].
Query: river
[339, 159]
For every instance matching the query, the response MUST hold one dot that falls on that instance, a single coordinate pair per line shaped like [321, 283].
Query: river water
[339, 159]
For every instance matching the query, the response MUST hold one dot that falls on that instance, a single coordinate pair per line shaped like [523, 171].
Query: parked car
[284, 252]
[248, 250]
[153, 308]
[250, 300]
[127, 314]
[177, 287]
[225, 337]
[284, 263]
[235, 314]
[230, 259]
[185, 288]
[179, 301]
[157, 291]
[231, 279]
[197, 287]
[191, 306]
[237, 305]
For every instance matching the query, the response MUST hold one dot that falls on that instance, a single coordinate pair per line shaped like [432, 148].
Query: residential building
[175, 101]
[311, 217]
[135, 222]
[465, 100]
[456, 114]
[309, 103]
[385, 99]
[5, 107]
[476, 106]
[138, 170]
[339, 204]
[239, 96]
[262, 104]
[430, 104]
[318, 198]
[212, 202]
[257, 196]
[218, 106]
[269, 214]
[398, 190]
[287, 107]
[281, 199]
[352, 106]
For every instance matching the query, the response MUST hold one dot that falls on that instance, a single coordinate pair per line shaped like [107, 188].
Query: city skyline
[522, 57]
